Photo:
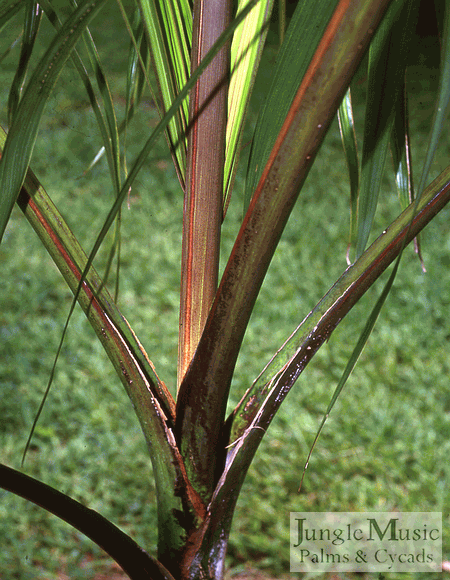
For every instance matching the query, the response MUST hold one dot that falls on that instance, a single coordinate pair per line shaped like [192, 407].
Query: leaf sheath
[204, 178]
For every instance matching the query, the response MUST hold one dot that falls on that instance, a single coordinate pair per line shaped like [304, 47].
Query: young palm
[204, 60]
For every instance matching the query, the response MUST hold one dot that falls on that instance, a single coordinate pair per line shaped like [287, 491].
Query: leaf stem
[204, 178]
[130, 556]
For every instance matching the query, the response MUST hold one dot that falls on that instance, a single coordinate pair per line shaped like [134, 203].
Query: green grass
[386, 444]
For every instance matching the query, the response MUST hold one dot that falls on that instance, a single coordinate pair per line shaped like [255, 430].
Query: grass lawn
[387, 442]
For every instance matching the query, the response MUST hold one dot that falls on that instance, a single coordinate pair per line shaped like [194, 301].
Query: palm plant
[200, 63]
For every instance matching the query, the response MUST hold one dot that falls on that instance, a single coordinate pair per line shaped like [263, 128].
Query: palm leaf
[137, 75]
[110, 134]
[177, 23]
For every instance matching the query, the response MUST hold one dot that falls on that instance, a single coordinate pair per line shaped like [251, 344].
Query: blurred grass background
[387, 442]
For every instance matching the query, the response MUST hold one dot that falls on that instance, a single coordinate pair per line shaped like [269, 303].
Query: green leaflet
[8, 10]
[169, 36]
[351, 363]
[110, 132]
[402, 162]
[388, 56]
[137, 77]
[22, 134]
[303, 35]
[33, 16]
[401, 153]
[347, 128]
[106, 119]
[442, 99]
[246, 51]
